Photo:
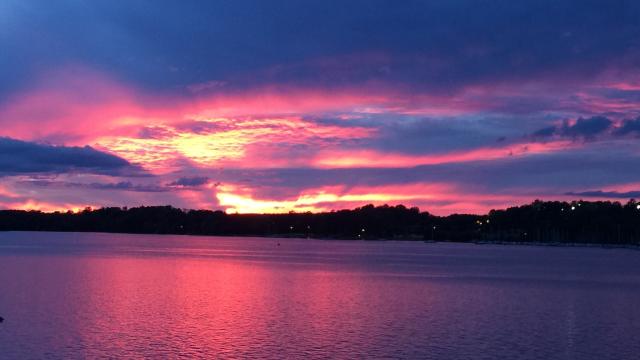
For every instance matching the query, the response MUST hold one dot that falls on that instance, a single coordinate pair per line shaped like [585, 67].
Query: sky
[287, 105]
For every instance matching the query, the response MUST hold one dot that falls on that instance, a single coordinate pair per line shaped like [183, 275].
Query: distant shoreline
[541, 223]
[428, 242]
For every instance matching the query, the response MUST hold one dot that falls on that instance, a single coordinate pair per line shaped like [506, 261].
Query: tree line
[600, 222]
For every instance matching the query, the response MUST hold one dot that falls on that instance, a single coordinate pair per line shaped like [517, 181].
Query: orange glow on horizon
[239, 200]
[35, 205]
[435, 198]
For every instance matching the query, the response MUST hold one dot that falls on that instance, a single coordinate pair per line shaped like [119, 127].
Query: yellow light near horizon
[207, 149]
[222, 141]
[244, 205]
[314, 202]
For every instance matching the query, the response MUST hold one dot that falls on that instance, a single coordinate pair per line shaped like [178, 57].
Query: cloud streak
[606, 194]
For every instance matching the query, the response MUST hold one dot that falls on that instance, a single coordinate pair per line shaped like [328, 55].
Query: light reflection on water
[123, 296]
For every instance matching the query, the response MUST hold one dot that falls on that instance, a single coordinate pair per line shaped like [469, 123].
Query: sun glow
[224, 141]
[236, 199]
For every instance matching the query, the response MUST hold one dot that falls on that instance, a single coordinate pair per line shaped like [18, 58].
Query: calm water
[104, 295]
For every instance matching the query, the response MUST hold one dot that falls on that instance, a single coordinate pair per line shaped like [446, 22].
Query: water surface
[70, 295]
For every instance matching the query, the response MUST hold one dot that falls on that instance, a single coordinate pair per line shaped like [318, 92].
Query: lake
[73, 295]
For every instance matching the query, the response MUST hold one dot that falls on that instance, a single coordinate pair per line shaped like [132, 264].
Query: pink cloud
[77, 105]
[267, 127]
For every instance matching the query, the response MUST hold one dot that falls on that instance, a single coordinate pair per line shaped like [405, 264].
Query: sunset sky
[272, 106]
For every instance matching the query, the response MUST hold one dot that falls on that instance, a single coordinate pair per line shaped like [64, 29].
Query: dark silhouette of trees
[538, 222]
[575, 222]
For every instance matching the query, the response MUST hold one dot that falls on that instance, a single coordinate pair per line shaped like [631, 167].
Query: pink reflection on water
[195, 307]
[99, 295]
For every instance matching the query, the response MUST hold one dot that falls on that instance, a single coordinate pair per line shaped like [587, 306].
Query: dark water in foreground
[130, 296]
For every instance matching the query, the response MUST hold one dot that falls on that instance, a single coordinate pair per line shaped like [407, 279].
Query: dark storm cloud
[439, 45]
[631, 126]
[586, 128]
[21, 157]
[190, 181]
[185, 182]
[545, 132]
[122, 185]
[606, 194]
[589, 128]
